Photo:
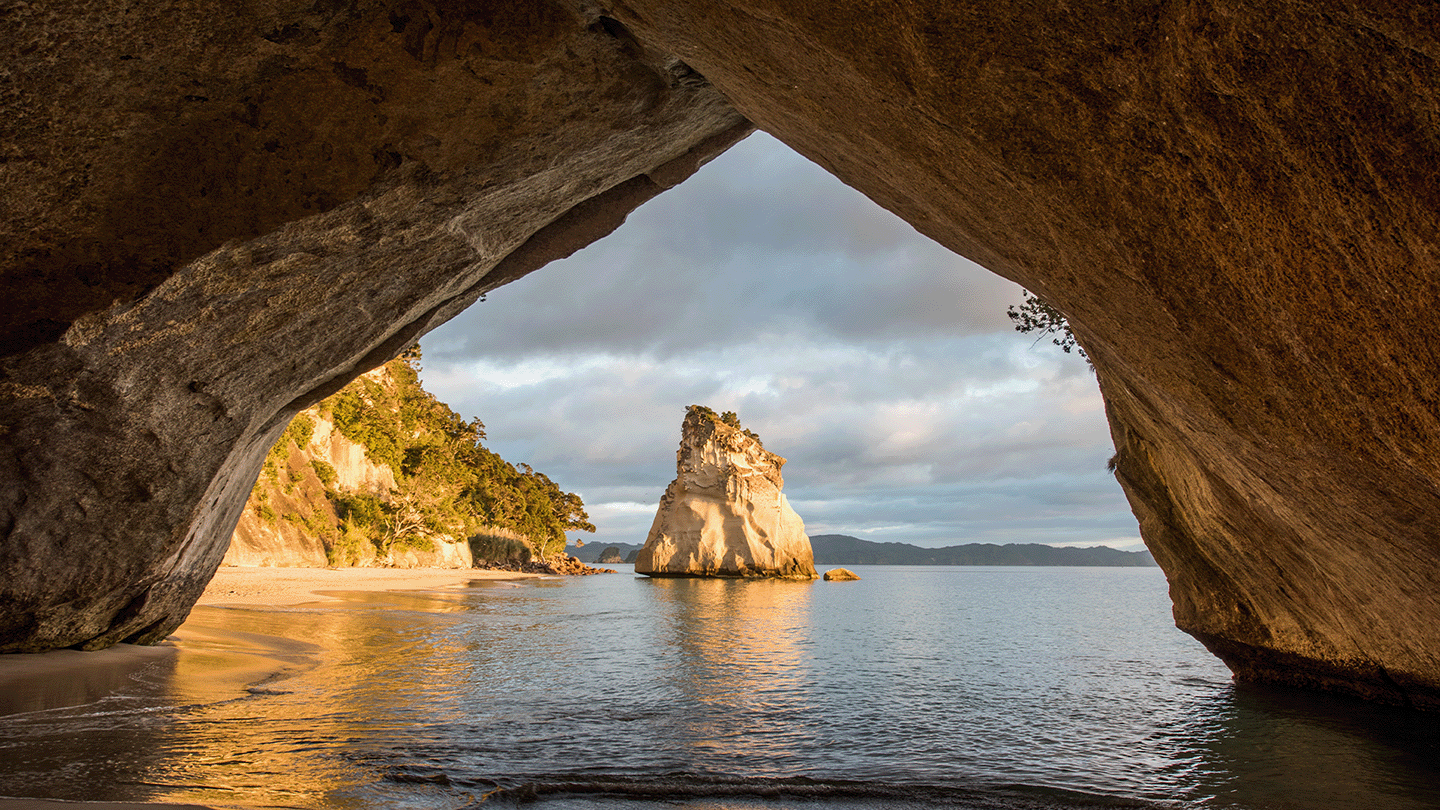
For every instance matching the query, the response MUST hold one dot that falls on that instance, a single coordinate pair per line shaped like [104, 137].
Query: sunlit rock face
[724, 514]
[1237, 205]
[216, 214]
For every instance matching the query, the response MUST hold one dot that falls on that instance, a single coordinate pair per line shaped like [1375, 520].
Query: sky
[881, 365]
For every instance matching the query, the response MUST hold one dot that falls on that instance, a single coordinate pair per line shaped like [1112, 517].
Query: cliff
[724, 514]
[1235, 207]
[289, 520]
[411, 486]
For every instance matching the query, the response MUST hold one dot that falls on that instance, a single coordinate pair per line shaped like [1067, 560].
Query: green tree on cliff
[1034, 315]
[449, 483]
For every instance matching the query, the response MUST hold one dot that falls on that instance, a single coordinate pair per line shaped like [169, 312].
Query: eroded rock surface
[724, 514]
[1237, 205]
[214, 214]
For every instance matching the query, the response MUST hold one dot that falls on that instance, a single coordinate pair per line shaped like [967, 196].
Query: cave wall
[1236, 205]
[216, 214]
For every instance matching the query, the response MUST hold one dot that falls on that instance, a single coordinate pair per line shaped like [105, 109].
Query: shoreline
[262, 586]
[233, 586]
[92, 674]
[62, 804]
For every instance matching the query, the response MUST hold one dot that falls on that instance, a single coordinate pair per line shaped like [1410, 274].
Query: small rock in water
[841, 575]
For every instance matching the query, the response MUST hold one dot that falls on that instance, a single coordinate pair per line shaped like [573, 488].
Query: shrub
[415, 541]
[363, 510]
[343, 548]
[301, 430]
[498, 548]
[325, 472]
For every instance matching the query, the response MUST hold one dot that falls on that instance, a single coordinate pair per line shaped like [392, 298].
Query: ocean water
[965, 687]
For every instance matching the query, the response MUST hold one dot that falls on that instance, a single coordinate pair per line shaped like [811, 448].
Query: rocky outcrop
[562, 565]
[214, 215]
[724, 514]
[284, 518]
[1235, 205]
[841, 575]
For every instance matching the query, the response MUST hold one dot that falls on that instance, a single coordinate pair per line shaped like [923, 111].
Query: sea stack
[724, 514]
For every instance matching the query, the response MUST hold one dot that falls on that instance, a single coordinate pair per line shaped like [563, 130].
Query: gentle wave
[689, 786]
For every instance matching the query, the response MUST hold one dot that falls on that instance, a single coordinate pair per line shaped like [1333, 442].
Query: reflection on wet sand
[241, 705]
[64, 678]
[360, 686]
[104, 722]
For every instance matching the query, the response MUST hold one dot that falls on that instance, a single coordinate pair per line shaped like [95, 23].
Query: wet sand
[68, 677]
[48, 804]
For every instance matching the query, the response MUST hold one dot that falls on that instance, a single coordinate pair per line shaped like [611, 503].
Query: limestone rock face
[213, 215]
[724, 514]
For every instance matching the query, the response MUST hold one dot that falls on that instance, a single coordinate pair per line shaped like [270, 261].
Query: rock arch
[215, 216]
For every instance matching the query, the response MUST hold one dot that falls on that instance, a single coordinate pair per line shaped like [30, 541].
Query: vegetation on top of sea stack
[728, 418]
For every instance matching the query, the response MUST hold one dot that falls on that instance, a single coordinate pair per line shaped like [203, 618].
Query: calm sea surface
[916, 687]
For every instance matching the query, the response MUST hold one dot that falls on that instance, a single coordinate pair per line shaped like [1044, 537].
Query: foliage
[1034, 315]
[448, 482]
[325, 471]
[448, 485]
[299, 432]
[500, 548]
[359, 509]
[729, 418]
[346, 548]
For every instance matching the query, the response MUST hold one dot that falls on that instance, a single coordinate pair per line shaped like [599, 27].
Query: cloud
[881, 365]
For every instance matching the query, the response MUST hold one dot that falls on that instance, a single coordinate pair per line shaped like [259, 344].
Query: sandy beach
[86, 675]
[235, 586]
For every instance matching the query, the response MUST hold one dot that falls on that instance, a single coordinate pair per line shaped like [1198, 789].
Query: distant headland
[841, 549]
